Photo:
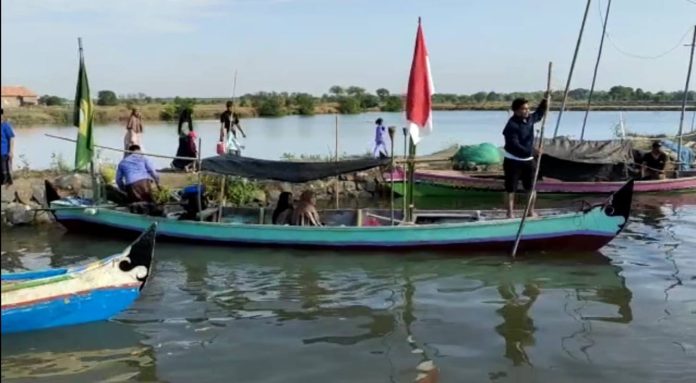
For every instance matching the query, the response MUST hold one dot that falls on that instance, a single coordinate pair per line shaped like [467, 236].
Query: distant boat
[567, 167]
[96, 291]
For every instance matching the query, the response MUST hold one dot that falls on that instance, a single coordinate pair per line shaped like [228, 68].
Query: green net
[482, 154]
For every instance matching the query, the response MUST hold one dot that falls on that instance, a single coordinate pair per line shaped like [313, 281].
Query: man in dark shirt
[519, 150]
[229, 122]
[654, 162]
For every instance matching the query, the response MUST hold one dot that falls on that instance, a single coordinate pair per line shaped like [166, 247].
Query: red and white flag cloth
[420, 90]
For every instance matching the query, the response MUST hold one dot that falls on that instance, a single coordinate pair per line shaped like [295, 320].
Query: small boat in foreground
[96, 291]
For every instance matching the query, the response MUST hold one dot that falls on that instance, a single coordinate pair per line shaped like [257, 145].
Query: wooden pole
[125, 151]
[684, 99]
[392, 130]
[532, 194]
[594, 76]
[572, 68]
[411, 177]
[338, 183]
[403, 177]
[200, 184]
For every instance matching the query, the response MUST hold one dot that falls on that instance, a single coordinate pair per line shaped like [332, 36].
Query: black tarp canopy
[285, 171]
[574, 160]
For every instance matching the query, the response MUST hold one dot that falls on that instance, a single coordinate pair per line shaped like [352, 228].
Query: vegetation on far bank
[344, 100]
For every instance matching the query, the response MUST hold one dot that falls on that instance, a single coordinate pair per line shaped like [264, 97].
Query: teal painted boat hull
[589, 229]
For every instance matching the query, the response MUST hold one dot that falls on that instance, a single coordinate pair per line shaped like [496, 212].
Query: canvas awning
[590, 152]
[285, 171]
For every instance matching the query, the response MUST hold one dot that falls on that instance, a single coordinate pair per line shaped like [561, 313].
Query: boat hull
[585, 230]
[447, 183]
[70, 296]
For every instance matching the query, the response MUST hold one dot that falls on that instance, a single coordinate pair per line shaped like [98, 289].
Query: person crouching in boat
[135, 175]
[305, 213]
[187, 143]
[283, 211]
[654, 163]
[518, 164]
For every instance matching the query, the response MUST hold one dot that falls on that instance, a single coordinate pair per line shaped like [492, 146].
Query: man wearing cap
[7, 150]
[653, 163]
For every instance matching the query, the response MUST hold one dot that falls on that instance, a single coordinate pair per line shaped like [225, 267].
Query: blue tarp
[686, 157]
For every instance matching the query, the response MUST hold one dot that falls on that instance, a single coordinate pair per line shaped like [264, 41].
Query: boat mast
[572, 68]
[684, 99]
[596, 67]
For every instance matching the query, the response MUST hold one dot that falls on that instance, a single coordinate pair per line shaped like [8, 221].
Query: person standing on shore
[518, 164]
[134, 130]
[380, 150]
[229, 123]
[7, 150]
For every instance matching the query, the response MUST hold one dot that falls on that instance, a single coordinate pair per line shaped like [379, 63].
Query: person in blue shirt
[380, 150]
[135, 175]
[518, 164]
[7, 150]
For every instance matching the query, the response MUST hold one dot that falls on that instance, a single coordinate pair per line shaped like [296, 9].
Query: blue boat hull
[70, 310]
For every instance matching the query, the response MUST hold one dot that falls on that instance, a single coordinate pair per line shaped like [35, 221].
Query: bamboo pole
[572, 68]
[127, 151]
[684, 99]
[532, 194]
[594, 76]
[200, 183]
[403, 177]
[392, 130]
[336, 189]
[411, 178]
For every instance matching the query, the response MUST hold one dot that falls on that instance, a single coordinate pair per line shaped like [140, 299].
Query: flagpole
[96, 195]
[532, 193]
[404, 197]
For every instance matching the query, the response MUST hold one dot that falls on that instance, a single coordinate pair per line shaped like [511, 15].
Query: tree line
[354, 99]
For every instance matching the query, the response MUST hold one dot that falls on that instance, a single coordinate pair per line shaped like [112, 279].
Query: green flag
[82, 119]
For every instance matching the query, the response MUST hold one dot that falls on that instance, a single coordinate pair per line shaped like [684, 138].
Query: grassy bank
[62, 115]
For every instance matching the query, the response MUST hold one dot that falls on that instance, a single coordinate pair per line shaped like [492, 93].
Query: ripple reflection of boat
[585, 278]
[104, 350]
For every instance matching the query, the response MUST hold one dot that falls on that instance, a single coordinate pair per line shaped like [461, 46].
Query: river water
[625, 314]
[270, 138]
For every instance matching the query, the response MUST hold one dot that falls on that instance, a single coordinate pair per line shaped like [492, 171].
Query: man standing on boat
[7, 150]
[135, 174]
[518, 164]
[380, 150]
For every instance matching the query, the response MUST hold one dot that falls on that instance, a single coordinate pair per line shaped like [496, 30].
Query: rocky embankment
[24, 202]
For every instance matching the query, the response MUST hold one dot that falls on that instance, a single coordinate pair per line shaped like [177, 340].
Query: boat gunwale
[403, 227]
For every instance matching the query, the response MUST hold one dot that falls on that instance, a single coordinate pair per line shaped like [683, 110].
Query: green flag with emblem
[82, 119]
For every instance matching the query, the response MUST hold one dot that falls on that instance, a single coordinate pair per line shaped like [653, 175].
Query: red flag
[420, 91]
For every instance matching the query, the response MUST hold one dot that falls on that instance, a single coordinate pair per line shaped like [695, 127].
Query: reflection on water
[209, 314]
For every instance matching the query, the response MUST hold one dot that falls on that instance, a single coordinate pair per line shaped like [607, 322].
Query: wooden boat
[452, 183]
[67, 296]
[585, 229]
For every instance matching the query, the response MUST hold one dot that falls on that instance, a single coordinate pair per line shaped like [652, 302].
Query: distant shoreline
[27, 117]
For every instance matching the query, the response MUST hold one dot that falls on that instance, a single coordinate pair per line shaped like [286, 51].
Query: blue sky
[192, 48]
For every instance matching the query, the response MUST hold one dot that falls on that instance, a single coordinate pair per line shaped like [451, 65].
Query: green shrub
[349, 105]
